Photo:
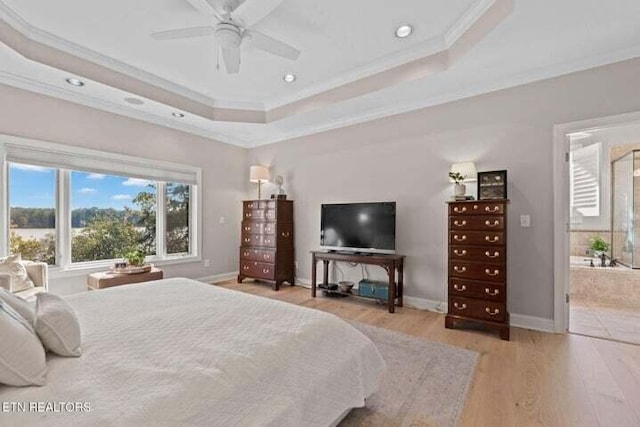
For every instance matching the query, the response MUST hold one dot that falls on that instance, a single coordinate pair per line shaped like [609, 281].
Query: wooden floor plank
[536, 379]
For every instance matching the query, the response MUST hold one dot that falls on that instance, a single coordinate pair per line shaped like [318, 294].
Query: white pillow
[22, 357]
[12, 266]
[22, 307]
[57, 325]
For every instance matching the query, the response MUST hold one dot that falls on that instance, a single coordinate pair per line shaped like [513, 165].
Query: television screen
[365, 227]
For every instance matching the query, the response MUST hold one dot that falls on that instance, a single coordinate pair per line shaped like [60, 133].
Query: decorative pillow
[22, 357]
[22, 307]
[57, 325]
[12, 266]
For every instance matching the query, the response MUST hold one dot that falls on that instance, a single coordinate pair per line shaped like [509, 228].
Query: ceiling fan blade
[202, 6]
[252, 11]
[271, 45]
[184, 33]
[231, 59]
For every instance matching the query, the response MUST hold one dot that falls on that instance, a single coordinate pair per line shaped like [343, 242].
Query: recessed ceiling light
[403, 31]
[75, 82]
[178, 115]
[289, 78]
[134, 101]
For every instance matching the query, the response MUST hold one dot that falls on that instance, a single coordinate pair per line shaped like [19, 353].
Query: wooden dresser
[478, 264]
[266, 251]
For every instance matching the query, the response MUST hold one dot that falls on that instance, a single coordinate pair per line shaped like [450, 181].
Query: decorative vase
[460, 190]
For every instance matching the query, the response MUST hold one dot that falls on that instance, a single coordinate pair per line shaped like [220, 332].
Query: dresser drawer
[265, 240]
[476, 208]
[493, 255]
[484, 238]
[260, 214]
[263, 255]
[477, 271]
[485, 310]
[261, 270]
[475, 289]
[257, 227]
[480, 222]
[258, 204]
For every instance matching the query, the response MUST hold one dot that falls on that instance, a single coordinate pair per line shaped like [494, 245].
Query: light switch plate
[525, 220]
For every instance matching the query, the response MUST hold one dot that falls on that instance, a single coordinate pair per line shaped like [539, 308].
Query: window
[110, 216]
[585, 182]
[77, 208]
[32, 212]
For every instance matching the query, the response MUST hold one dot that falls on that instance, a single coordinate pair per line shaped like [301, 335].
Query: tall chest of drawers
[266, 245]
[478, 265]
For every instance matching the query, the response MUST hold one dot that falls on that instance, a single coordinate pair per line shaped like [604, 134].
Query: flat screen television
[359, 227]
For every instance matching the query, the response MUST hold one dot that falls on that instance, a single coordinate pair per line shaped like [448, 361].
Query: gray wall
[406, 158]
[224, 167]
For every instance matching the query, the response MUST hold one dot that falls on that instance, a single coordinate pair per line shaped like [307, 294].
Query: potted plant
[135, 258]
[460, 189]
[598, 246]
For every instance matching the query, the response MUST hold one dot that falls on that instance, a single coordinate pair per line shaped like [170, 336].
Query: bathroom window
[585, 181]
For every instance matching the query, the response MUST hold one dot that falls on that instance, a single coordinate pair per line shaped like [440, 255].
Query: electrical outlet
[525, 220]
[207, 263]
[223, 220]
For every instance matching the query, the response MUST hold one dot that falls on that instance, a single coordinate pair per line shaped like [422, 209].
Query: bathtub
[617, 286]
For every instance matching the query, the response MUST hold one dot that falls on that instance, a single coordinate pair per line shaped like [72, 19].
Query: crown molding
[20, 82]
[530, 76]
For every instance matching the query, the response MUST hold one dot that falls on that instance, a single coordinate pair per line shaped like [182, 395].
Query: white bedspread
[181, 353]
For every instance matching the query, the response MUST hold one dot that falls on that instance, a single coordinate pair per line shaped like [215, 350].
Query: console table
[391, 263]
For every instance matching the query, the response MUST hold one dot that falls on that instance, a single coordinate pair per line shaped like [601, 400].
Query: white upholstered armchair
[37, 272]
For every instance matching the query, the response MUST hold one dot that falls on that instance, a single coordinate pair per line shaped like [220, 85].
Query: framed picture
[492, 185]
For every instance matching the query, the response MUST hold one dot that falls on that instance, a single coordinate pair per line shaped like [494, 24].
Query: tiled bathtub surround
[617, 287]
[580, 240]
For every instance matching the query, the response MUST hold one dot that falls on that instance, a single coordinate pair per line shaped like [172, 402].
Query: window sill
[94, 267]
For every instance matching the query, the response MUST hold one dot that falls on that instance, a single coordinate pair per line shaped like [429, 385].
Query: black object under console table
[391, 263]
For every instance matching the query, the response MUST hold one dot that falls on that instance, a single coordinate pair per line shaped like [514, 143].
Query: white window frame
[64, 267]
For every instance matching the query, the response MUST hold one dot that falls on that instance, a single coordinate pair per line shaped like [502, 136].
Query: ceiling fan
[233, 19]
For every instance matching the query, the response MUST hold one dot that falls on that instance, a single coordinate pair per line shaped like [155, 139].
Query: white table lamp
[259, 174]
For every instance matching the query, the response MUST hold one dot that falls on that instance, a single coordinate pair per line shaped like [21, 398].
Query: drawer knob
[250, 205]
[245, 254]
[459, 238]
[247, 240]
[459, 269]
[247, 229]
[490, 292]
[268, 241]
[246, 267]
[490, 239]
[459, 288]
[456, 209]
[265, 270]
[460, 252]
[495, 254]
[266, 256]
[285, 234]
[459, 223]
[490, 224]
[460, 306]
[494, 273]
[492, 209]
[248, 214]
[492, 312]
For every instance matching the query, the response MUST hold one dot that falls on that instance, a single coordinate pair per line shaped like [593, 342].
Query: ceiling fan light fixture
[404, 31]
[75, 82]
[289, 78]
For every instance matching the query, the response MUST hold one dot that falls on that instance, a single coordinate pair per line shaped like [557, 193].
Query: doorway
[604, 232]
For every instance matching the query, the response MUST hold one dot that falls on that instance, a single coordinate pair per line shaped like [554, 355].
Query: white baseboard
[532, 322]
[218, 277]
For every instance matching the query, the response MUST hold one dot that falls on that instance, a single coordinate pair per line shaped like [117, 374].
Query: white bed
[181, 353]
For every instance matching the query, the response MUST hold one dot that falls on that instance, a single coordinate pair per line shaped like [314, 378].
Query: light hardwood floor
[536, 379]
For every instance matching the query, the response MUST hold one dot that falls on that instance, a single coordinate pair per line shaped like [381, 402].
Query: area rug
[426, 383]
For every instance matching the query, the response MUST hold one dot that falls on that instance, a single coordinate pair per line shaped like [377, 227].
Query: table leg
[325, 273]
[313, 275]
[392, 288]
[400, 283]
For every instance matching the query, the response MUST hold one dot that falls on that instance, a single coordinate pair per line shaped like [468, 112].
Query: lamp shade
[466, 169]
[259, 174]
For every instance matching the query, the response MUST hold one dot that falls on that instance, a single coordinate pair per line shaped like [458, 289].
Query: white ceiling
[540, 39]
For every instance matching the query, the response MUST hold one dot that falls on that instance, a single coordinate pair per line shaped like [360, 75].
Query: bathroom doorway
[604, 232]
